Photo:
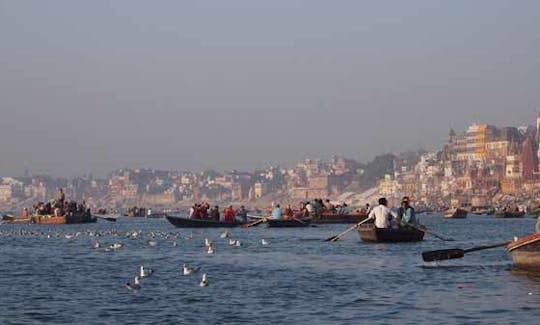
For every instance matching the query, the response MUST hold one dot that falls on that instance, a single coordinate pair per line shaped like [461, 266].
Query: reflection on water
[297, 278]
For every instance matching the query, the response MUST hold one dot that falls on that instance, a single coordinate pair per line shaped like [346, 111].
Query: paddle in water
[338, 236]
[446, 254]
[254, 223]
[424, 229]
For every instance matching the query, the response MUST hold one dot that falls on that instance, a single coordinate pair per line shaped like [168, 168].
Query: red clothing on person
[229, 214]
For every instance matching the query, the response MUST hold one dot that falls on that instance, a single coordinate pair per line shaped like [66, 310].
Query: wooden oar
[429, 232]
[106, 218]
[254, 223]
[446, 254]
[338, 236]
[303, 222]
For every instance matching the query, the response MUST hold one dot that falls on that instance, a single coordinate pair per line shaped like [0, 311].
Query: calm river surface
[296, 279]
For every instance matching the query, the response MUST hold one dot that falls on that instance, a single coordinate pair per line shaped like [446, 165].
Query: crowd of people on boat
[204, 211]
[384, 217]
[308, 209]
[57, 207]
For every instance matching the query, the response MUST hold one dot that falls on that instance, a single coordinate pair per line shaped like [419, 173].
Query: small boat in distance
[455, 213]
[334, 217]
[371, 234]
[7, 218]
[182, 222]
[510, 214]
[48, 219]
[526, 253]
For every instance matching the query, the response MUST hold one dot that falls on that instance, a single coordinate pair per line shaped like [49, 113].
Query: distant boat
[74, 217]
[14, 219]
[510, 214]
[455, 213]
[182, 222]
[334, 217]
[371, 234]
[48, 219]
[526, 253]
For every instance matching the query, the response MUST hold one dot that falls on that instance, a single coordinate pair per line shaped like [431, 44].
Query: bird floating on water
[115, 246]
[210, 249]
[225, 234]
[204, 281]
[234, 242]
[96, 245]
[264, 242]
[135, 285]
[152, 243]
[143, 273]
[186, 270]
[207, 242]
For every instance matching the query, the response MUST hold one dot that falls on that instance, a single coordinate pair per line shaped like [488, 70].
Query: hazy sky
[91, 86]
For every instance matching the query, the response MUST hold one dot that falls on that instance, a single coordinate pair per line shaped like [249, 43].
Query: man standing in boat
[406, 213]
[382, 214]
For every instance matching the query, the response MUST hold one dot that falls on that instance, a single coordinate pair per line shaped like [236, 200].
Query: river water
[52, 274]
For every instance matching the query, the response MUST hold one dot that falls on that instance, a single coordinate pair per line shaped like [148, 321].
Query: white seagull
[207, 242]
[96, 245]
[135, 285]
[264, 242]
[186, 270]
[234, 242]
[210, 249]
[116, 246]
[204, 281]
[225, 234]
[143, 273]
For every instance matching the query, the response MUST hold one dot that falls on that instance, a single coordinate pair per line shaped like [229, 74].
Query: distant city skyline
[89, 87]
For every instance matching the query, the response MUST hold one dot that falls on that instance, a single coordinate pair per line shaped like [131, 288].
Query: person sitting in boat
[25, 213]
[277, 213]
[242, 214]
[382, 214]
[229, 214]
[214, 213]
[310, 209]
[329, 206]
[406, 213]
[288, 213]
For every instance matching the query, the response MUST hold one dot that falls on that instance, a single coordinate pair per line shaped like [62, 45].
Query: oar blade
[442, 254]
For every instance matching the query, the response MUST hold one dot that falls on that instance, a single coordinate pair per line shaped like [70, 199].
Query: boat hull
[331, 218]
[48, 220]
[526, 253]
[508, 214]
[456, 213]
[371, 234]
[14, 219]
[289, 223]
[200, 223]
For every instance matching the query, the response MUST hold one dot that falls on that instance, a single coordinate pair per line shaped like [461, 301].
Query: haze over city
[88, 87]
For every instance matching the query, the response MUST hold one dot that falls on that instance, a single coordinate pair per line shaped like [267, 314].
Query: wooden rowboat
[371, 234]
[14, 219]
[48, 220]
[526, 253]
[288, 223]
[455, 213]
[200, 223]
[331, 217]
[510, 214]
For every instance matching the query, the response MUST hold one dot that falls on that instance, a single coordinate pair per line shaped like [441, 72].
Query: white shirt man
[382, 214]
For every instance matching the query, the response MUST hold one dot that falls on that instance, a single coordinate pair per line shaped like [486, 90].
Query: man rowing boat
[382, 214]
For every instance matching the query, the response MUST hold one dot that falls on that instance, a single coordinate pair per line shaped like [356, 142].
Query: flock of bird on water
[152, 236]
